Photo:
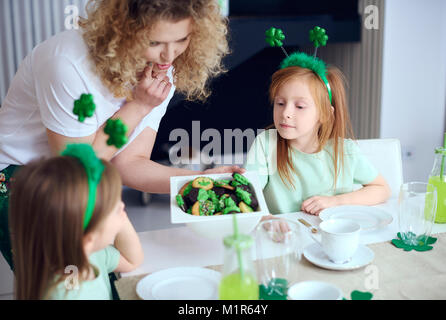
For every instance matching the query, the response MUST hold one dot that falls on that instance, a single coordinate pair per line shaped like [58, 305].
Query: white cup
[339, 239]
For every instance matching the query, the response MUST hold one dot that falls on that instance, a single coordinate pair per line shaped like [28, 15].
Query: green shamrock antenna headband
[275, 37]
[94, 169]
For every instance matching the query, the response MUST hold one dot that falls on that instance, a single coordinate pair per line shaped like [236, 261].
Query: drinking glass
[417, 207]
[278, 250]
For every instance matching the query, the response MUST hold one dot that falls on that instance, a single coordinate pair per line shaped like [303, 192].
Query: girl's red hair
[334, 126]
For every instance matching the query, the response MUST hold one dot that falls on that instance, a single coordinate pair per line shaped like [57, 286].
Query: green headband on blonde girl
[275, 37]
[94, 169]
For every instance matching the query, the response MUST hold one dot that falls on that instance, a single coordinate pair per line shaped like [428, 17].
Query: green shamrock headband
[93, 167]
[275, 37]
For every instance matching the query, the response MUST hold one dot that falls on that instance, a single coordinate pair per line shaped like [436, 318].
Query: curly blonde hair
[116, 34]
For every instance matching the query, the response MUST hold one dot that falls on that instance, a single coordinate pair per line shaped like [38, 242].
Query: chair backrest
[385, 155]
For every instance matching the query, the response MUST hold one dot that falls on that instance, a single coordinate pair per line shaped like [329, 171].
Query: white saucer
[182, 283]
[363, 256]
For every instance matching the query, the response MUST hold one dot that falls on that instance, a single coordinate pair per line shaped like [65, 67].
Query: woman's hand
[152, 91]
[315, 205]
[225, 169]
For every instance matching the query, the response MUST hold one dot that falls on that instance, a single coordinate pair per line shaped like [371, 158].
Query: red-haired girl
[306, 163]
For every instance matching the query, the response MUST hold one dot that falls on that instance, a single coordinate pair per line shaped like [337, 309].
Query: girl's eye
[184, 39]
[280, 103]
[299, 107]
[153, 43]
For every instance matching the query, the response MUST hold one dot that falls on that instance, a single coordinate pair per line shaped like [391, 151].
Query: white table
[176, 247]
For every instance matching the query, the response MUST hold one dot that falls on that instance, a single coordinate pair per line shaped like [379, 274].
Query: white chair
[385, 155]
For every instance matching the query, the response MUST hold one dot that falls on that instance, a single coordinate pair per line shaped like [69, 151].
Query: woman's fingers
[148, 70]
[166, 90]
[152, 90]
[238, 169]
[164, 83]
[147, 74]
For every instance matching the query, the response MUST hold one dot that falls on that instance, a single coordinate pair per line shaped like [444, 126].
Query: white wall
[414, 81]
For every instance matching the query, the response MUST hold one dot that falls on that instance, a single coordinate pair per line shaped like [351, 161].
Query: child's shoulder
[107, 256]
[350, 146]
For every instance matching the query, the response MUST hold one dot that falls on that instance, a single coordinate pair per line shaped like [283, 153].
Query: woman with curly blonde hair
[131, 55]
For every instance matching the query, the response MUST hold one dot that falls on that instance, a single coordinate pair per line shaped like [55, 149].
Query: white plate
[369, 218]
[363, 256]
[182, 283]
[314, 290]
[217, 227]
[179, 216]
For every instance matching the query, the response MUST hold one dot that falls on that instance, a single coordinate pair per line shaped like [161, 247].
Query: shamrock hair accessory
[303, 60]
[300, 59]
[275, 37]
[116, 129]
[318, 37]
[84, 107]
[93, 167]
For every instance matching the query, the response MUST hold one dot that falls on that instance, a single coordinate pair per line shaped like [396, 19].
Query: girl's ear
[332, 109]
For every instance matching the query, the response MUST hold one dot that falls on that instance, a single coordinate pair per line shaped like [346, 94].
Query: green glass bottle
[438, 179]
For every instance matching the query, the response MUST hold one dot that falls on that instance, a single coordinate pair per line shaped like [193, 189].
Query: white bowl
[217, 227]
[314, 290]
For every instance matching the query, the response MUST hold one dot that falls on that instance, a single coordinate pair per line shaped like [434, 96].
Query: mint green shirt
[313, 175]
[103, 261]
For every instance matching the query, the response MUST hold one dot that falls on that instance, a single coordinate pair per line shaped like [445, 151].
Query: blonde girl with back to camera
[59, 250]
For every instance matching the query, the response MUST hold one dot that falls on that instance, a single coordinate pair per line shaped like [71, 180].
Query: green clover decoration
[116, 129]
[318, 37]
[276, 289]
[420, 243]
[274, 37]
[84, 107]
[359, 295]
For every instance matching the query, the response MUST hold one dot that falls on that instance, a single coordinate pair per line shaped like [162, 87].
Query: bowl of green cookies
[206, 203]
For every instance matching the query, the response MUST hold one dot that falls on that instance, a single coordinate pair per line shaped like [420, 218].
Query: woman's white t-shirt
[42, 95]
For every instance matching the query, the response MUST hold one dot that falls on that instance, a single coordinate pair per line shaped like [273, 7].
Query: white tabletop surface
[181, 247]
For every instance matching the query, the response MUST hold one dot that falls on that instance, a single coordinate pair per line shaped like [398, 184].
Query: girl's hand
[278, 227]
[315, 205]
[278, 224]
[151, 92]
[225, 169]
